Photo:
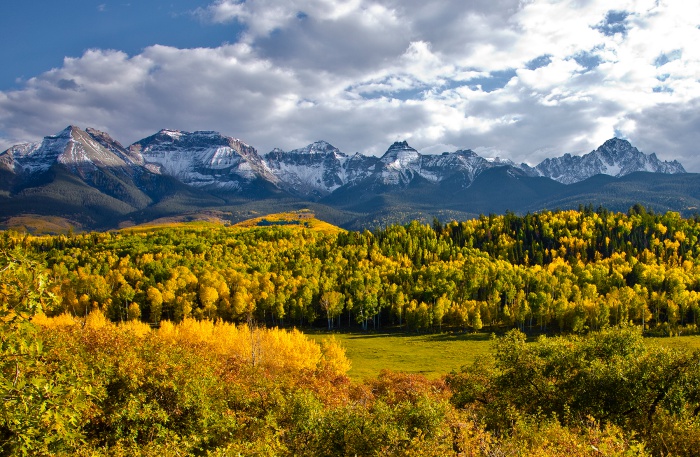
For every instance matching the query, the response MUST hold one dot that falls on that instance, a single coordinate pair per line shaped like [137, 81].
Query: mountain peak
[616, 157]
[464, 153]
[617, 149]
[400, 145]
[83, 152]
[617, 141]
[67, 132]
[400, 164]
[204, 159]
[315, 170]
[173, 134]
[400, 149]
[317, 147]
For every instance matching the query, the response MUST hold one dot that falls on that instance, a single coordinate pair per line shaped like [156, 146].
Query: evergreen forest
[182, 339]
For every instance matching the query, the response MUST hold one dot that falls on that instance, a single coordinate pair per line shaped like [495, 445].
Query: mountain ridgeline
[94, 182]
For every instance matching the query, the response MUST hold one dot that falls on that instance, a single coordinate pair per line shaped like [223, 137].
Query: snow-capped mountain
[615, 157]
[402, 164]
[317, 169]
[84, 175]
[209, 160]
[82, 152]
[463, 166]
[399, 165]
[88, 177]
[202, 159]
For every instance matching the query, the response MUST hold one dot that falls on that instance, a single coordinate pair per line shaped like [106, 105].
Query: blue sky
[45, 31]
[510, 78]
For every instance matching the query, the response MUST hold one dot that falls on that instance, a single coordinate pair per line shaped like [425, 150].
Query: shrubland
[202, 388]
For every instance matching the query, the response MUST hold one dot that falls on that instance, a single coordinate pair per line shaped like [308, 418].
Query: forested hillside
[565, 271]
[167, 340]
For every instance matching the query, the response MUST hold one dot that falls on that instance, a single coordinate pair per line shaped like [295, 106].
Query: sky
[518, 79]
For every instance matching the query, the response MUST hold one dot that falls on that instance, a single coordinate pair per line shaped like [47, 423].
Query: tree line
[563, 271]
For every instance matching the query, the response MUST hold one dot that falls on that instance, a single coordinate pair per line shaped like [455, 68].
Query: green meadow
[432, 355]
[691, 342]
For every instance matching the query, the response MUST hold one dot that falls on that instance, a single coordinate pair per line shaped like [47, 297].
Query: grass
[432, 355]
[690, 342]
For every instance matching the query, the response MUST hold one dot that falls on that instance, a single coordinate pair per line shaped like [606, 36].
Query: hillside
[301, 218]
[565, 271]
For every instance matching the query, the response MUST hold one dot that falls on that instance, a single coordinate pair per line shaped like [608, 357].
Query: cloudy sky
[522, 79]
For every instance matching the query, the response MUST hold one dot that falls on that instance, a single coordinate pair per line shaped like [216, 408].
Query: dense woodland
[568, 271]
[179, 340]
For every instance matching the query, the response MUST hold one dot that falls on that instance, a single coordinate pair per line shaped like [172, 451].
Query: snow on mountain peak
[318, 147]
[398, 147]
[400, 156]
[202, 159]
[499, 160]
[400, 164]
[174, 134]
[616, 157]
[81, 151]
[462, 165]
[209, 159]
[313, 171]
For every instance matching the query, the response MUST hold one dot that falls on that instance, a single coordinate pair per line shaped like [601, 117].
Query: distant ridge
[92, 181]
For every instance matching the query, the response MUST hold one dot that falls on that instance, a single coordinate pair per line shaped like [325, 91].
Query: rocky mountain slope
[89, 178]
[98, 182]
[203, 159]
[317, 169]
[83, 152]
[615, 157]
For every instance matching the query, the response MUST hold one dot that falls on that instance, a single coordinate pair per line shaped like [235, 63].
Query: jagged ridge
[224, 169]
[615, 157]
[203, 159]
[209, 160]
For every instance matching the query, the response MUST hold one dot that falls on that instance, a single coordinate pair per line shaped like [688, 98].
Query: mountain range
[92, 181]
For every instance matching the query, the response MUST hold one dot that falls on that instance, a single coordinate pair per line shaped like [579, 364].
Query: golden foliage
[273, 349]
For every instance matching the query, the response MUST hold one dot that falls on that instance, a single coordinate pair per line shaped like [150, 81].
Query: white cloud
[554, 75]
[526, 79]
[266, 16]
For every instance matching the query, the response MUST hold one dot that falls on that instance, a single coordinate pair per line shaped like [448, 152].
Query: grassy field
[691, 342]
[432, 355]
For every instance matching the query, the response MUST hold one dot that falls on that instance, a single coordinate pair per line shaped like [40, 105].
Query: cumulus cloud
[523, 79]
